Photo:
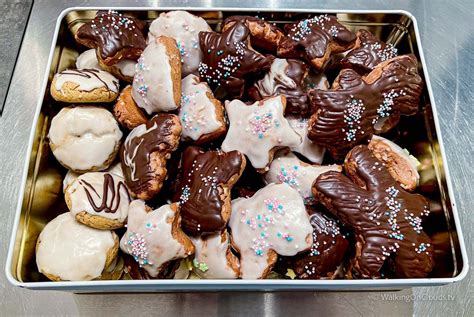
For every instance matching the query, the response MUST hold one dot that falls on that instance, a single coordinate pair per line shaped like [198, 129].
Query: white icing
[86, 79]
[184, 28]
[88, 60]
[258, 128]
[310, 150]
[274, 218]
[287, 168]
[126, 67]
[275, 79]
[210, 258]
[149, 237]
[71, 250]
[71, 176]
[197, 113]
[84, 137]
[317, 81]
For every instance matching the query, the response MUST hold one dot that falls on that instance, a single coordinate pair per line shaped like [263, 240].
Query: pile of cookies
[222, 155]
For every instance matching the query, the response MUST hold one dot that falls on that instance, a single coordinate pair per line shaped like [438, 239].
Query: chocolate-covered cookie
[357, 107]
[316, 39]
[228, 59]
[114, 36]
[386, 219]
[204, 189]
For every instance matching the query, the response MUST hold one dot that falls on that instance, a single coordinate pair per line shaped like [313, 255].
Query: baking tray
[41, 197]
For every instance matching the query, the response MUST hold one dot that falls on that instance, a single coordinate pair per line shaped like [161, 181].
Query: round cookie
[84, 86]
[124, 70]
[184, 28]
[67, 250]
[84, 138]
[71, 176]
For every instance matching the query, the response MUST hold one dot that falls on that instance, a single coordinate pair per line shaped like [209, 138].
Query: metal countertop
[447, 36]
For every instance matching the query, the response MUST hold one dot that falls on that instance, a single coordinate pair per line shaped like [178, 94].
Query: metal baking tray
[41, 197]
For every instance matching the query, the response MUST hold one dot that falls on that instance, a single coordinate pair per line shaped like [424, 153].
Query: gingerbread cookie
[84, 86]
[273, 221]
[316, 39]
[124, 70]
[316, 81]
[387, 220]
[310, 150]
[157, 81]
[258, 130]
[357, 107]
[126, 111]
[204, 188]
[285, 77]
[288, 168]
[67, 250]
[84, 138]
[184, 28]
[71, 176]
[228, 59]
[202, 116]
[154, 237]
[145, 151]
[114, 36]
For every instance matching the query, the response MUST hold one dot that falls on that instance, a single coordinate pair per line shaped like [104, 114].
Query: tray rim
[235, 285]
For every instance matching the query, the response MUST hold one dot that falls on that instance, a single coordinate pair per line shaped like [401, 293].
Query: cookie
[401, 165]
[114, 36]
[99, 200]
[310, 150]
[316, 81]
[315, 40]
[204, 188]
[126, 111]
[357, 107]
[184, 28]
[144, 154]
[71, 176]
[289, 169]
[273, 221]
[367, 53]
[202, 116]
[285, 77]
[386, 219]
[213, 258]
[84, 86]
[154, 237]
[84, 138]
[228, 59]
[157, 81]
[124, 70]
[258, 130]
[67, 250]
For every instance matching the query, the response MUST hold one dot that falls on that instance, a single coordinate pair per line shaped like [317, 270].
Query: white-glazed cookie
[154, 237]
[88, 60]
[201, 115]
[115, 169]
[313, 152]
[213, 258]
[317, 81]
[273, 221]
[258, 130]
[70, 251]
[124, 69]
[157, 81]
[288, 168]
[99, 200]
[184, 28]
[84, 138]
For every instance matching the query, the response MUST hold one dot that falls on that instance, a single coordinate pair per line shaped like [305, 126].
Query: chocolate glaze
[368, 53]
[201, 193]
[392, 89]
[115, 37]
[107, 205]
[386, 219]
[228, 59]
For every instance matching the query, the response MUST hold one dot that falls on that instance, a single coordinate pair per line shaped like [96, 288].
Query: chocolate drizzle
[107, 205]
[89, 73]
[204, 189]
[385, 218]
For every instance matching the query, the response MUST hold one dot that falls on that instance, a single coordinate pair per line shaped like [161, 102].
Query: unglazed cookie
[126, 110]
[145, 151]
[84, 86]
[154, 237]
[289, 169]
[273, 221]
[157, 81]
[184, 28]
[310, 150]
[258, 130]
[99, 200]
[124, 70]
[67, 250]
[202, 116]
[71, 176]
[213, 258]
[84, 138]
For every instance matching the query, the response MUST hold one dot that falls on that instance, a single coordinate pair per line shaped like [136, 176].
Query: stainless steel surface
[447, 40]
